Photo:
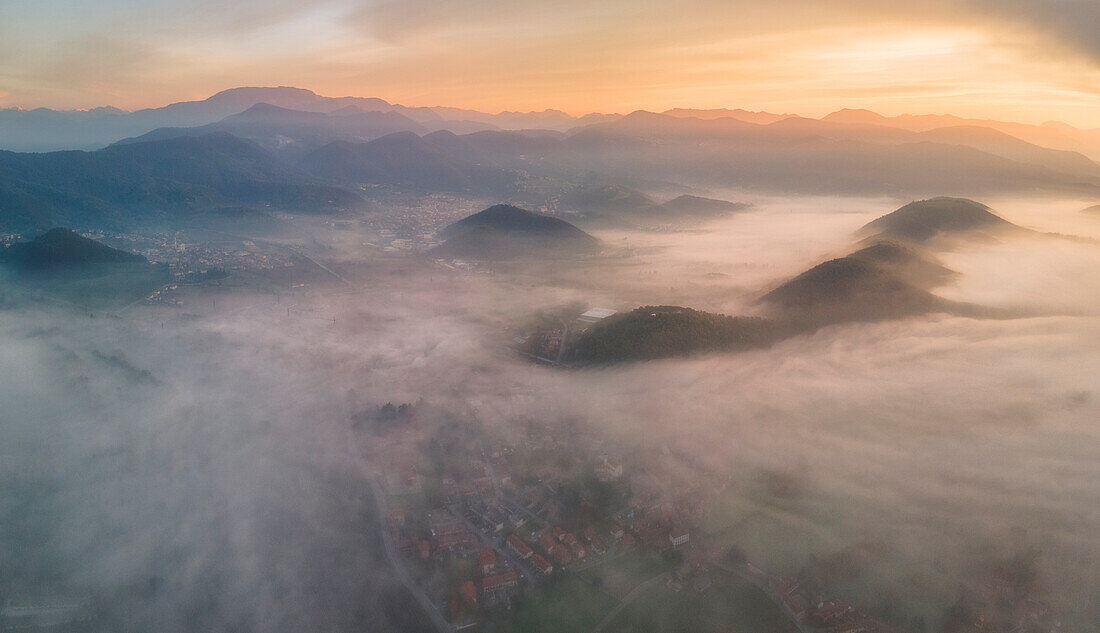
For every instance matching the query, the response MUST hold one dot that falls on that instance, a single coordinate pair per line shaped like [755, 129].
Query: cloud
[1023, 60]
[1072, 23]
[228, 493]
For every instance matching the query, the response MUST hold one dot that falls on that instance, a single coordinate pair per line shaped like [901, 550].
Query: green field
[727, 606]
[620, 574]
[103, 286]
[568, 604]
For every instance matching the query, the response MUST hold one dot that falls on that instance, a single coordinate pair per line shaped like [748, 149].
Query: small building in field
[595, 315]
[678, 535]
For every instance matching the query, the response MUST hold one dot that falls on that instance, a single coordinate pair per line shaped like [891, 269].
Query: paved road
[517, 562]
[398, 565]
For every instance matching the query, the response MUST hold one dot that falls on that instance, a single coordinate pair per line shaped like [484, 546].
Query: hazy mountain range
[153, 182]
[290, 149]
[616, 205]
[42, 129]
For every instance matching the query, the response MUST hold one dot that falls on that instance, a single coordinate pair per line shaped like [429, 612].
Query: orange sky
[1010, 59]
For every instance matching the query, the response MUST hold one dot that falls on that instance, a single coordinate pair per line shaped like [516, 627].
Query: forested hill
[651, 332]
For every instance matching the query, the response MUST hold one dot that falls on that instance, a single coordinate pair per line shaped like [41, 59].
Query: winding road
[429, 607]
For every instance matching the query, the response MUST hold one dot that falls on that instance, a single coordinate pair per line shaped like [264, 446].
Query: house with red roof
[498, 586]
[468, 593]
[523, 550]
[487, 560]
[541, 564]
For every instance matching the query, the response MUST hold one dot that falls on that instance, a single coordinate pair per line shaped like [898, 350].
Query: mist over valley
[273, 361]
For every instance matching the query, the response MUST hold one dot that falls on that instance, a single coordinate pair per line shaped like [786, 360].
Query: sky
[1024, 60]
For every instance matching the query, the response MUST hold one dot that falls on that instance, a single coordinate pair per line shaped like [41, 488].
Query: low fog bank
[176, 479]
[195, 469]
[940, 438]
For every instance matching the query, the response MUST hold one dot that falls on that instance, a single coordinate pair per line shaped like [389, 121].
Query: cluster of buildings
[194, 259]
[553, 343]
[497, 520]
[512, 516]
[410, 225]
[8, 238]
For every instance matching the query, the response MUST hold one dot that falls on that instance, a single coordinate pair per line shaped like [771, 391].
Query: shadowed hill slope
[652, 332]
[505, 232]
[63, 264]
[61, 248]
[157, 181]
[925, 220]
[904, 262]
[848, 289]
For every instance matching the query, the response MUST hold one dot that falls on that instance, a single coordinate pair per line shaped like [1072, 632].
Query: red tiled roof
[541, 564]
[521, 548]
[561, 555]
[487, 557]
[468, 591]
[496, 581]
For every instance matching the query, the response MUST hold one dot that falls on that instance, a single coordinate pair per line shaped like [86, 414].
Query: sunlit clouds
[973, 58]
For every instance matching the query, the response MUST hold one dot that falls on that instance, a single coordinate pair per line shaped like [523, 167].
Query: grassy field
[575, 603]
[619, 575]
[104, 286]
[569, 604]
[727, 606]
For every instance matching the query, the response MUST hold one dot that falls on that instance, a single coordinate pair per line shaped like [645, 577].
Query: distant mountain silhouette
[508, 232]
[275, 127]
[1052, 134]
[508, 150]
[409, 161]
[61, 248]
[827, 157]
[613, 205]
[653, 332]
[603, 204]
[943, 217]
[50, 130]
[152, 182]
[687, 206]
[999, 143]
[722, 113]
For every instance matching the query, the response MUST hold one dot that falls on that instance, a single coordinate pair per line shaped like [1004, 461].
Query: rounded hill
[924, 220]
[506, 231]
[63, 248]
